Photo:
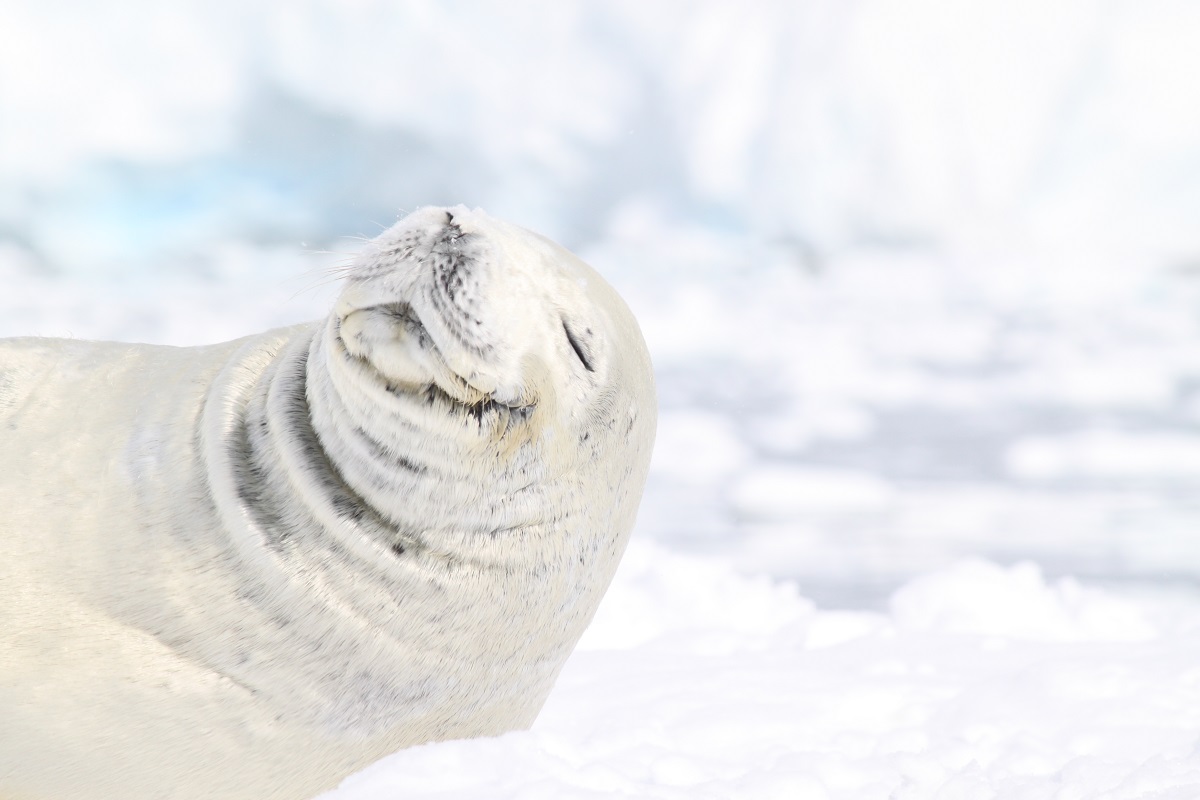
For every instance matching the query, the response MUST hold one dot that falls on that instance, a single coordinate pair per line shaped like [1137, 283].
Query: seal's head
[485, 315]
[478, 374]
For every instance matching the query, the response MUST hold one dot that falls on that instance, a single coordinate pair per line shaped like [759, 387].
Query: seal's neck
[313, 554]
[401, 468]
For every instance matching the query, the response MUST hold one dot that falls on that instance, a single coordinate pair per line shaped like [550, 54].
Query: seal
[250, 569]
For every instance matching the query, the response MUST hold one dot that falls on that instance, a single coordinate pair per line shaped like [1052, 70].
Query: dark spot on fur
[347, 508]
[253, 484]
[387, 455]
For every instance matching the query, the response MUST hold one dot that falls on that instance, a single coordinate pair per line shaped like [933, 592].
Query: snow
[980, 681]
[920, 284]
[1106, 453]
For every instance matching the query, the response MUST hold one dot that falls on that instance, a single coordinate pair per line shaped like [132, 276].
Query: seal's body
[249, 569]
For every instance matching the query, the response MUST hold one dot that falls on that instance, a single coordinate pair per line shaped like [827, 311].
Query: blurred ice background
[920, 279]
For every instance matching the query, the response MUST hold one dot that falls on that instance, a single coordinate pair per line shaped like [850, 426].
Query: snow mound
[1105, 454]
[982, 681]
[981, 598]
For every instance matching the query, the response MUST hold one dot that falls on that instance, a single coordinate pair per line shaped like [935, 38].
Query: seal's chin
[391, 340]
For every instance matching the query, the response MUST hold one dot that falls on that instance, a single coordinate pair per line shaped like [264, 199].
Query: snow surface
[979, 682]
[920, 281]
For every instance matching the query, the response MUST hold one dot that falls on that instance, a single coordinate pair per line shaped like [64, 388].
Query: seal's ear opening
[581, 347]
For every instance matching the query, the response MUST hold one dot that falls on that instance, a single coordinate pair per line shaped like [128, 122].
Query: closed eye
[579, 348]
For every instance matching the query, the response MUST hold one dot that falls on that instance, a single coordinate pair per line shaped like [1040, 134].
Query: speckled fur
[249, 569]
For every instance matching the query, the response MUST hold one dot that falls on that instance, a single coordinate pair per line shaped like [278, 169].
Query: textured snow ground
[920, 286]
[978, 682]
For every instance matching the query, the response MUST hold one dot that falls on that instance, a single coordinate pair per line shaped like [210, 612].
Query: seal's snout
[460, 264]
[443, 297]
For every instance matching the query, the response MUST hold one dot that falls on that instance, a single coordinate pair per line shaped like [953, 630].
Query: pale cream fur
[249, 569]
